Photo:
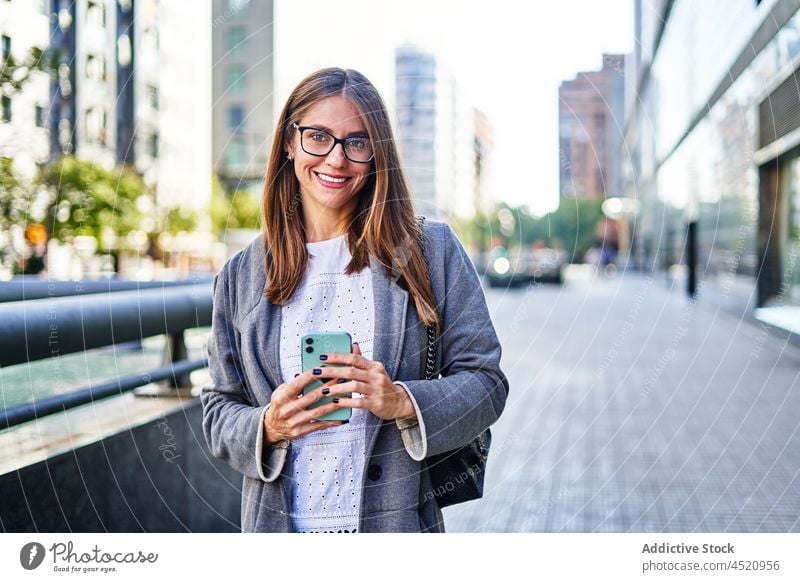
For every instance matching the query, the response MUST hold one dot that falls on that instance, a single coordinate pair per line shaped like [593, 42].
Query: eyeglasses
[318, 142]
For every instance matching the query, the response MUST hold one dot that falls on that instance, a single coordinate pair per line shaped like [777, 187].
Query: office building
[438, 136]
[23, 113]
[590, 109]
[242, 90]
[712, 150]
[133, 87]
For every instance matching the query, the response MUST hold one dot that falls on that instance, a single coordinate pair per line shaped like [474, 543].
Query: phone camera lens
[309, 340]
[309, 350]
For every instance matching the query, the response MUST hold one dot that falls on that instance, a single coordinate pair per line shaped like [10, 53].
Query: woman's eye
[319, 136]
[358, 143]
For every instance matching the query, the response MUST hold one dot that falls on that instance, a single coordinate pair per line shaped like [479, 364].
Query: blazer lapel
[391, 303]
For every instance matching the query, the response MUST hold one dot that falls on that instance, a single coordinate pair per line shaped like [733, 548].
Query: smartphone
[325, 342]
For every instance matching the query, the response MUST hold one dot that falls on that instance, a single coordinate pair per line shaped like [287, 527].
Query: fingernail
[323, 356]
[341, 380]
[345, 421]
[355, 343]
[296, 375]
[336, 401]
[317, 371]
[326, 390]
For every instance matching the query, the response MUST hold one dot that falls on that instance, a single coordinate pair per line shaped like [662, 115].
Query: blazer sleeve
[233, 427]
[471, 393]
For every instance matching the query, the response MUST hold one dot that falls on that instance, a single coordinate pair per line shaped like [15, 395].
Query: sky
[508, 56]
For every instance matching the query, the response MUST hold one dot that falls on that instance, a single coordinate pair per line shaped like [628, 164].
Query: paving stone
[634, 409]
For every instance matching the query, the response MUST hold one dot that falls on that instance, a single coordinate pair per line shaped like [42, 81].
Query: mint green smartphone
[325, 342]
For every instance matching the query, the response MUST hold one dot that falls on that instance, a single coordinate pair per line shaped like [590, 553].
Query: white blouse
[327, 466]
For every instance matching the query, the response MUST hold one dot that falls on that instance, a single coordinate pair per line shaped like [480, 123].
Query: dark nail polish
[345, 421]
[326, 390]
[296, 375]
[355, 343]
[317, 371]
[336, 401]
[341, 380]
[323, 356]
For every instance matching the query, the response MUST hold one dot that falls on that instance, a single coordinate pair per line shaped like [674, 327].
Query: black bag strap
[430, 357]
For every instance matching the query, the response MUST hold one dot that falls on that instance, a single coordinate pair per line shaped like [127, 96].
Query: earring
[290, 156]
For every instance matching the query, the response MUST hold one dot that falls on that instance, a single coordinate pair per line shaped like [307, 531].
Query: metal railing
[50, 328]
[28, 287]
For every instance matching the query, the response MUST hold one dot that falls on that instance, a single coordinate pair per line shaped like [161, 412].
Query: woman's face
[330, 182]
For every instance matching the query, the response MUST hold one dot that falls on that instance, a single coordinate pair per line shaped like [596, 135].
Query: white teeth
[328, 178]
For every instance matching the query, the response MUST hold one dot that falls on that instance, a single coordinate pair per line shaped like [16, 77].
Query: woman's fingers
[343, 372]
[303, 401]
[354, 360]
[292, 389]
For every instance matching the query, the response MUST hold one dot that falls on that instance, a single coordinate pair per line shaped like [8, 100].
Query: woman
[340, 252]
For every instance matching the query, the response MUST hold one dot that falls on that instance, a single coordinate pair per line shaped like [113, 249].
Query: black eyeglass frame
[336, 141]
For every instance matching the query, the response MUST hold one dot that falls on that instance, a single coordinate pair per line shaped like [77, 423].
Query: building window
[6, 106]
[96, 13]
[150, 39]
[236, 154]
[96, 126]
[236, 118]
[39, 116]
[153, 145]
[234, 6]
[95, 68]
[236, 79]
[235, 40]
[152, 95]
[6, 47]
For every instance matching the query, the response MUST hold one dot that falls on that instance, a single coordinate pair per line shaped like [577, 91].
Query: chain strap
[430, 357]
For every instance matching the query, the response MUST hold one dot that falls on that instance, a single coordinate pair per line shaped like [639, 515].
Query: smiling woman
[342, 254]
[331, 171]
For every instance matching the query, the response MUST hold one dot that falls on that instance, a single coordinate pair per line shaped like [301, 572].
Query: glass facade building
[712, 146]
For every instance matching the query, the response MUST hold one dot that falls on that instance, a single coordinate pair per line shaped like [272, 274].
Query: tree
[14, 203]
[571, 227]
[239, 210]
[14, 75]
[87, 199]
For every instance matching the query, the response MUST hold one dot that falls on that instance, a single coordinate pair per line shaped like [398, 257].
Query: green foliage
[14, 75]
[14, 205]
[87, 199]
[239, 210]
[179, 219]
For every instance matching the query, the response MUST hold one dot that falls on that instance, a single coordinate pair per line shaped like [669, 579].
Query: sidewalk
[635, 409]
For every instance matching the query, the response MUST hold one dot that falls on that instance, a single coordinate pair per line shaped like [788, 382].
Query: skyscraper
[242, 89]
[133, 87]
[591, 109]
[438, 136]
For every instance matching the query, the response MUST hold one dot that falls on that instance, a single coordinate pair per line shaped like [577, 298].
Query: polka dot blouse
[327, 466]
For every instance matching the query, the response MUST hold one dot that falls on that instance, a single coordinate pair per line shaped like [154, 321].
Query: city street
[634, 409]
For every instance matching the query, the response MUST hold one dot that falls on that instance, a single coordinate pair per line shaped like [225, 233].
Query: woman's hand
[368, 377]
[288, 416]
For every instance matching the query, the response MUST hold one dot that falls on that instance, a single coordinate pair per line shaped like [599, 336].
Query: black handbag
[457, 475]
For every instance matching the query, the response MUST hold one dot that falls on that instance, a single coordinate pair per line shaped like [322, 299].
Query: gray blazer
[467, 398]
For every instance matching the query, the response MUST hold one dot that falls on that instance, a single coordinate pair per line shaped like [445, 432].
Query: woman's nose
[336, 156]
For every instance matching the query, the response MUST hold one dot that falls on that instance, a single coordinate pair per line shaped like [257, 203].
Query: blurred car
[543, 265]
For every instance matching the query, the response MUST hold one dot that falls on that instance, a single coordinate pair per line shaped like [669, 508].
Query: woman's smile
[332, 180]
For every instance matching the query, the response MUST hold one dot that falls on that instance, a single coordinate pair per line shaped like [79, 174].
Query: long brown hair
[384, 223]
